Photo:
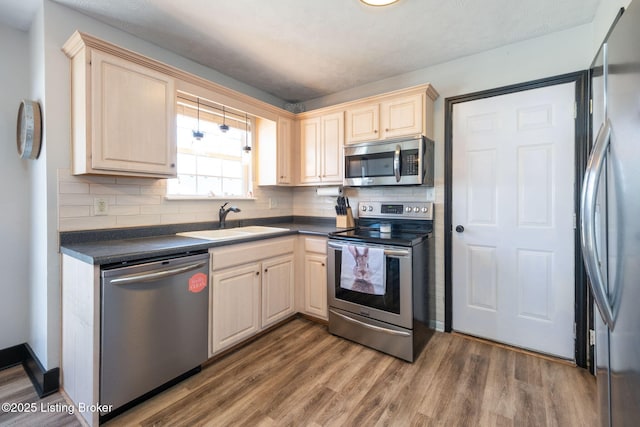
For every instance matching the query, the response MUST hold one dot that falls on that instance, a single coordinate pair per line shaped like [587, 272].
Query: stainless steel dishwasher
[154, 318]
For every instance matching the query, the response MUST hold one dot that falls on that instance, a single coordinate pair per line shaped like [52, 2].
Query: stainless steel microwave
[403, 161]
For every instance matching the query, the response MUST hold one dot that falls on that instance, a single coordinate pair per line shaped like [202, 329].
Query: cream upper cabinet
[363, 123]
[285, 147]
[402, 116]
[321, 142]
[275, 148]
[310, 151]
[123, 114]
[389, 116]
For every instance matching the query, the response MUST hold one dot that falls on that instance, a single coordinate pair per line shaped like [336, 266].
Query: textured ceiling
[303, 49]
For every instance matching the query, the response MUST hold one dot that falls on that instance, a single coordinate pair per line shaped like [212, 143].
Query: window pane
[232, 187]
[232, 169]
[209, 186]
[212, 165]
[186, 164]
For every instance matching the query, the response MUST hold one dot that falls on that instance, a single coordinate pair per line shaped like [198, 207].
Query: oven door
[394, 306]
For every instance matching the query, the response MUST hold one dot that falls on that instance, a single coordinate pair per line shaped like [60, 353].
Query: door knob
[459, 228]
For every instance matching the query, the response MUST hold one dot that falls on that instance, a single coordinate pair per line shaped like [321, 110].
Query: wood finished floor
[299, 374]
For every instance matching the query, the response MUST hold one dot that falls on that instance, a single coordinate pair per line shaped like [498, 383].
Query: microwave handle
[396, 163]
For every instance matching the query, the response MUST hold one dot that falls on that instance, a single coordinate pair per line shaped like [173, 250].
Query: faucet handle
[223, 206]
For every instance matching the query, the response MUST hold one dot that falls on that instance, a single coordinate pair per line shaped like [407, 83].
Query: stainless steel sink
[232, 233]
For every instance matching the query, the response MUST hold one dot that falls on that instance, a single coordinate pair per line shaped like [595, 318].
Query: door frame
[581, 153]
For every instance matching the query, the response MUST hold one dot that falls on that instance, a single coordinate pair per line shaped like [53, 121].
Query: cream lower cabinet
[252, 288]
[277, 289]
[314, 259]
[235, 301]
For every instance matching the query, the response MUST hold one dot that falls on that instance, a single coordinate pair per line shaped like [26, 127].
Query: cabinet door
[363, 123]
[332, 142]
[277, 289]
[310, 151]
[402, 116]
[133, 117]
[284, 147]
[315, 285]
[235, 299]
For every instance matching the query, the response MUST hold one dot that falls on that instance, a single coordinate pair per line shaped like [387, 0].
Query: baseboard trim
[44, 382]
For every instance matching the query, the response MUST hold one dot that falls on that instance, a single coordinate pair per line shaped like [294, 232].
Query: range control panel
[408, 210]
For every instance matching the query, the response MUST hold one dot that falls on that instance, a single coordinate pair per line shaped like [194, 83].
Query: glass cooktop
[371, 235]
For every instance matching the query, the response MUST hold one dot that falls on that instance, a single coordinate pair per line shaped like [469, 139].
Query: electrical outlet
[273, 203]
[100, 206]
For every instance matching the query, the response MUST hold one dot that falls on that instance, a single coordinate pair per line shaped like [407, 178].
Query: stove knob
[370, 208]
[363, 208]
[425, 209]
[407, 209]
[416, 209]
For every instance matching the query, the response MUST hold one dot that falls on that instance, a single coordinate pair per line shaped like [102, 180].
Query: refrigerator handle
[588, 200]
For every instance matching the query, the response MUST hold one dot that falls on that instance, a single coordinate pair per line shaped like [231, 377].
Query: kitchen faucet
[224, 212]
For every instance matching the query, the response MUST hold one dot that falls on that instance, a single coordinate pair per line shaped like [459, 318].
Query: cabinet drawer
[315, 245]
[242, 253]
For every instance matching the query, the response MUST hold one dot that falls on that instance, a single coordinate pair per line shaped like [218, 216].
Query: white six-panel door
[513, 193]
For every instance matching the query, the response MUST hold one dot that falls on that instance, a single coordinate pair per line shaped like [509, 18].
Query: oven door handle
[387, 252]
[373, 327]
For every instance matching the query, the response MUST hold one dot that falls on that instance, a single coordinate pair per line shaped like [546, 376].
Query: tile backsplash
[133, 202]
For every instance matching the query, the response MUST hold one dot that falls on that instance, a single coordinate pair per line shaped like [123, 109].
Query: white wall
[15, 203]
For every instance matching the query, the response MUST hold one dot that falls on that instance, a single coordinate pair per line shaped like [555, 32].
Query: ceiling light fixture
[224, 126]
[198, 134]
[247, 147]
[378, 2]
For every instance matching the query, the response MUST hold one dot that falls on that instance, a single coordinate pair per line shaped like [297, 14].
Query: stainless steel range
[380, 275]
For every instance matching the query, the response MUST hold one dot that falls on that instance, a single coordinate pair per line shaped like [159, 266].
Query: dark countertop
[122, 250]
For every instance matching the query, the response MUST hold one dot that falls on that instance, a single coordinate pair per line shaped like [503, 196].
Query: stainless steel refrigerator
[610, 220]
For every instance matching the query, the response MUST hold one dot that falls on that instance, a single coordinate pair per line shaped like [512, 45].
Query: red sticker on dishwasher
[197, 282]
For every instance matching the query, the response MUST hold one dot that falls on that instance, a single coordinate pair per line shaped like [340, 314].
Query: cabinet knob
[265, 270]
[386, 130]
[257, 273]
[173, 165]
[375, 131]
[322, 264]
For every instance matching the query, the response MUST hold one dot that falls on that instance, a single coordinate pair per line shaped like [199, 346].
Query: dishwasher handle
[159, 274]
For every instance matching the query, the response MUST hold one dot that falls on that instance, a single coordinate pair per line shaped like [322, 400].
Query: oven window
[389, 302]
